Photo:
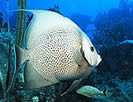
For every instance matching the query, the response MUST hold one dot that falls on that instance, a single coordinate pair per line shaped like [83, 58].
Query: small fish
[56, 49]
[91, 92]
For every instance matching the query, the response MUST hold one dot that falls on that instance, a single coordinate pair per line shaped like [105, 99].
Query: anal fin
[73, 86]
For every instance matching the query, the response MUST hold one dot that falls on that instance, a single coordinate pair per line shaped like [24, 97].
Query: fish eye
[92, 48]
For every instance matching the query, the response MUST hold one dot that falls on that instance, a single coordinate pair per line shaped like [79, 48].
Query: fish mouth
[99, 60]
[95, 64]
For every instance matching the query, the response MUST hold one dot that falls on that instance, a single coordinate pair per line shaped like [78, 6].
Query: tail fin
[21, 54]
[105, 92]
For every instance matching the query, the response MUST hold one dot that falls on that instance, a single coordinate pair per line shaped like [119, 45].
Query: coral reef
[1, 20]
[114, 26]
[115, 73]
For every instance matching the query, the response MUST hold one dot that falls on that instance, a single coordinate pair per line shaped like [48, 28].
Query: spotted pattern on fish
[57, 49]
[55, 52]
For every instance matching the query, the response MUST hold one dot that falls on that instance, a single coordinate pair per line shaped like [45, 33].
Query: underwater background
[109, 24]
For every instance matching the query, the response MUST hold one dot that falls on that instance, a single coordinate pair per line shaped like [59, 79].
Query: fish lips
[96, 63]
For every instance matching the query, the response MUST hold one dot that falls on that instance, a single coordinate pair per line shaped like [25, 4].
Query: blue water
[109, 25]
[67, 7]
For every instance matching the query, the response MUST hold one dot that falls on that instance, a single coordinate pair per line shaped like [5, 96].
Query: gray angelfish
[57, 49]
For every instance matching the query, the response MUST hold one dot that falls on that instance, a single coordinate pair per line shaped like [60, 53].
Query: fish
[56, 49]
[91, 92]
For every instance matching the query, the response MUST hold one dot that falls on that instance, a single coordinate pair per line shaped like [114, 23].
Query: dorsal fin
[35, 12]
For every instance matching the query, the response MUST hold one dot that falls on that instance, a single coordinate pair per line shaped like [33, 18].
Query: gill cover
[90, 52]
